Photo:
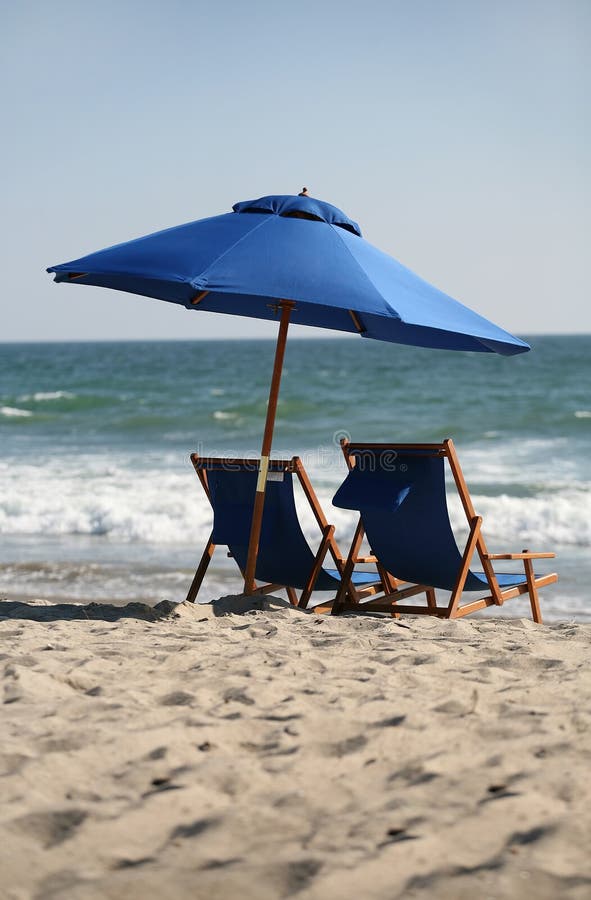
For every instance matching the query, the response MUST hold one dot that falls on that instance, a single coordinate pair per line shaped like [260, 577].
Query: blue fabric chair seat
[504, 579]
[358, 578]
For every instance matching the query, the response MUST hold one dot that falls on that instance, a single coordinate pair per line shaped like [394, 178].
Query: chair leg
[346, 587]
[389, 585]
[532, 590]
[353, 594]
[322, 550]
[454, 602]
[292, 596]
[339, 600]
[201, 570]
[431, 599]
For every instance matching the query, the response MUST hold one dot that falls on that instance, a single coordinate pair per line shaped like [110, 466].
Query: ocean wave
[41, 396]
[100, 497]
[540, 462]
[540, 523]
[115, 499]
[15, 411]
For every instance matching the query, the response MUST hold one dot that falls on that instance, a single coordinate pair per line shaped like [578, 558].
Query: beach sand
[187, 753]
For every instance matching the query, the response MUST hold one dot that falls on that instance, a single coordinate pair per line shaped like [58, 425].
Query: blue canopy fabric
[284, 555]
[290, 248]
[404, 512]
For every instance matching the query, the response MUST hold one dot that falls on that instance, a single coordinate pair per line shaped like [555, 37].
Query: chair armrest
[524, 555]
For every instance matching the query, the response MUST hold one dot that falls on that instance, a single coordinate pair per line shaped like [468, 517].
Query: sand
[270, 753]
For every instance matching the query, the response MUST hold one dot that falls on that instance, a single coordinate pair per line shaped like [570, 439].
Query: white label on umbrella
[275, 476]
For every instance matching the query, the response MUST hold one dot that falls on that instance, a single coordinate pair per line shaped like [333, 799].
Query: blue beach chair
[285, 559]
[399, 490]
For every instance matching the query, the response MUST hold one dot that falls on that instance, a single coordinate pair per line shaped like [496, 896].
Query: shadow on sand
[107, 612]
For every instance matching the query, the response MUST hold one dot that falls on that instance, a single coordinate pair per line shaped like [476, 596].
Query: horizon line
[203, 340]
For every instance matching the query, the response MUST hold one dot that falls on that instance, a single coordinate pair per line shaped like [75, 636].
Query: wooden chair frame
[328, 544]
[475, 543]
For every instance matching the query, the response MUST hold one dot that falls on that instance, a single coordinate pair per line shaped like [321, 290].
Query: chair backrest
[284, 555]
[400, 493]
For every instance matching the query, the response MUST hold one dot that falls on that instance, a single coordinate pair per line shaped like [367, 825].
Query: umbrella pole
[259, 498]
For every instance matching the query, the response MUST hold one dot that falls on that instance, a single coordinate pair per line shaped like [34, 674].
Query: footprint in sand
[236, 695]
[12, 763]
[177, 698]
[51, 827]
[347, 746]
[61, 744]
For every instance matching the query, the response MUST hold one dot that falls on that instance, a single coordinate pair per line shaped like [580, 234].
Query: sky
[456, 132]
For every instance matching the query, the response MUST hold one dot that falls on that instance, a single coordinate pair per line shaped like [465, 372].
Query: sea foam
[113, 498]
[41, 396]
[14, 411]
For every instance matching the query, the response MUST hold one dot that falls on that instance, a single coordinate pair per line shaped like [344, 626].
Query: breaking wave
[15, 411]
[164, 503]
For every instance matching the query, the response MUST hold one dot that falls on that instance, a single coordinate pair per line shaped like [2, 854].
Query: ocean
[98, 500]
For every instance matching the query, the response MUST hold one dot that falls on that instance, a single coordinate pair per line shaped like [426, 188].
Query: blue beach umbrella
[299, 259]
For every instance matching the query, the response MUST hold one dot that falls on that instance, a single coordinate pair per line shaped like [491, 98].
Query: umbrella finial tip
[303, 192]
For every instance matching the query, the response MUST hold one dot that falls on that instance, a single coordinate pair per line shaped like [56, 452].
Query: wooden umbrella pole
[259, 498]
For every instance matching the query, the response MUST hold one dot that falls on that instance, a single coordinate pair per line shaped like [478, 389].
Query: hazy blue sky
[456, 132]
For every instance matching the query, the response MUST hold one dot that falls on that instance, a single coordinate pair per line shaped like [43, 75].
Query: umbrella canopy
[302, 258]
[290, 248]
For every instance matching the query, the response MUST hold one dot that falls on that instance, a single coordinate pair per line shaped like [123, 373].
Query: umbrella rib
[481, 339]
[187, 279]
[357, 322]
[243, 237]
[389, 311]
